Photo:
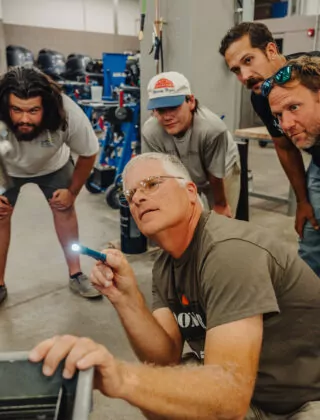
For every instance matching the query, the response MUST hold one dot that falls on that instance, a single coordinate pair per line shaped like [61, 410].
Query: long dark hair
[196, 104]
[28, 83]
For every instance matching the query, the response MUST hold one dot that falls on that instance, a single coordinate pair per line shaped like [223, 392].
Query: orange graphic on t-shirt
[184, 300]
[164, 83]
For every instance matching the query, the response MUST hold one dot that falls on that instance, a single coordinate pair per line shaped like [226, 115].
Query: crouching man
[247, 306]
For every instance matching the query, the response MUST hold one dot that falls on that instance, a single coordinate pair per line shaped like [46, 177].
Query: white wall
[310, 7]
[81, 15]
[0, 9]
[128, 17]
[44, 13]
[99, 16]
[192, 38]
[248, 10]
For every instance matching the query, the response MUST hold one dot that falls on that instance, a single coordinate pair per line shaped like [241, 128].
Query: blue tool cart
[120, 143]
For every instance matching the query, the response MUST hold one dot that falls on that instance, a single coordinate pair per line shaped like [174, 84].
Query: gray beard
[311, 142]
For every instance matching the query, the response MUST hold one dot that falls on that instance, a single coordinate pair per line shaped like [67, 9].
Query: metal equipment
[121, 142]
[51, 63]
[19, 56]
[25, 393]
[76, 90]
[114, 66]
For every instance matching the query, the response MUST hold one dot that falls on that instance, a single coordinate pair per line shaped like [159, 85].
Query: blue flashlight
[90, 252]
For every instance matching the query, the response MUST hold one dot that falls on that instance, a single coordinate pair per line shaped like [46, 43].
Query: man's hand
[82, 354]
[115, 278]
[62, 200]
[224, 210]
[5, 207]
[304, 213]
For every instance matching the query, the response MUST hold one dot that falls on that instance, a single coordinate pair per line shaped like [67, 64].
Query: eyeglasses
[280, 78]
[148, 186]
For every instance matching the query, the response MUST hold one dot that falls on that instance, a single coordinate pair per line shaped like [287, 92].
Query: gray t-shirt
[234, 270]
[206, 147]
[50, 151]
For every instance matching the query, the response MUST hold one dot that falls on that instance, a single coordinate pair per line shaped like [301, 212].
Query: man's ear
[192, 191]
[191, 102]
[272, 51]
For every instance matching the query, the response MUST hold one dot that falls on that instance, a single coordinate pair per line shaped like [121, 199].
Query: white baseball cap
[167, 90]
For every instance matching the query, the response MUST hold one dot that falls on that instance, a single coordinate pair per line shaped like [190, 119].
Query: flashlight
[90, 252]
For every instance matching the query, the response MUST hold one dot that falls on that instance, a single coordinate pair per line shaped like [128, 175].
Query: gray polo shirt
[207, 147]
[50, 151]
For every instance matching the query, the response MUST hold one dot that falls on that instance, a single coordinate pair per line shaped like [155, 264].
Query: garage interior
[40, 303]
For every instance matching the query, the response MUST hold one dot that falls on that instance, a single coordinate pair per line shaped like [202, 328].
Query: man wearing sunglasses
[252, 55]
[294, 98]
[246, 304]
[198, 137]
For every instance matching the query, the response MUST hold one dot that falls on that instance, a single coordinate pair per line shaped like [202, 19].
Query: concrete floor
[40, 304]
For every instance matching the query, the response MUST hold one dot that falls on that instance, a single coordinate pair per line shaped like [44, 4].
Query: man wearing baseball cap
[197, 136]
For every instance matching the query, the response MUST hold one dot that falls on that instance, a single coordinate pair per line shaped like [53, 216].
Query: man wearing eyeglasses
[198, 137]
[247, 305]
[252, 55]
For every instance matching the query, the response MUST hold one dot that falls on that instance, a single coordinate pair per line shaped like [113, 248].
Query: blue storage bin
[279, 9]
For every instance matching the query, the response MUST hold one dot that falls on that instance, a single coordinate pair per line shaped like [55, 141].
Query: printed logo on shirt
[192, 326]
[48, 141]
[200, 354]
[184, 300]
[188, 320]
[190, 317]
[277, 125]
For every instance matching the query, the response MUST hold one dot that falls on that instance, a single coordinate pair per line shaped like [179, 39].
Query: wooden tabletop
[253, 133]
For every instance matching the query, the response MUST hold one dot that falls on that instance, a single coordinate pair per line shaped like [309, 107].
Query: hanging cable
[157, 38]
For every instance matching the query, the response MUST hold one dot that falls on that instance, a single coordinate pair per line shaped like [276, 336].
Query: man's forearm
[148, 339]
[205, 392]
[81, 173]
[292, 163]
[219, 195]
[151, 416]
